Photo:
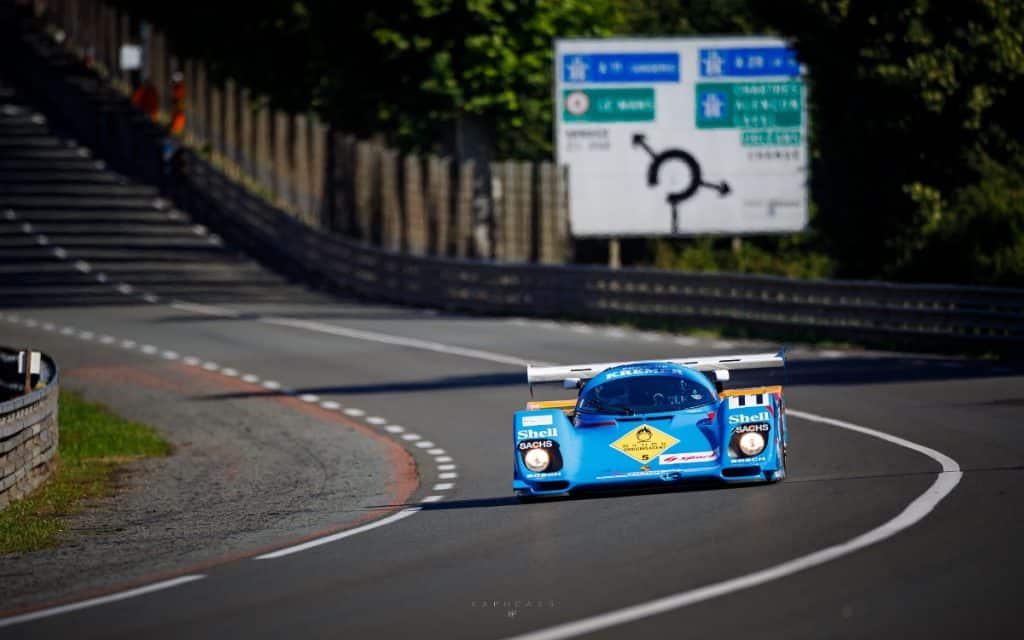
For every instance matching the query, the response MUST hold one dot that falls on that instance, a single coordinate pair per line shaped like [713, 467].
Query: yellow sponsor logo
[644, 443]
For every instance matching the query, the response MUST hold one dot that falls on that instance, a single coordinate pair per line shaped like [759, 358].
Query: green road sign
[608, 105]
[749, 105]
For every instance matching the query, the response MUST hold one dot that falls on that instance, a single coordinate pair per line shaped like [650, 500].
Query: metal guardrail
[940, 317]
[28, 429]
[916, 316]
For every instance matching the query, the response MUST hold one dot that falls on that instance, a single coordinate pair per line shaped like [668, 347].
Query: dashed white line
[424, 444]
[330, 405]
[170, 355]
[448, 475]
[128, 344]
[443, 459]
[310, 398]
[105, 339]
[394, 428]
[446, 467]
[436, 452]
[191, 361]
[251, 379]
[67, 331]
[229, 372]
[272, 385]
[86, 335]
[443, 486]
[432, 499]
[376, 420]
[355, 413]
[411, 436]
[211, 366]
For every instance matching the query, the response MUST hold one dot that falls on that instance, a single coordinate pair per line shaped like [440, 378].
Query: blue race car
[643, 423]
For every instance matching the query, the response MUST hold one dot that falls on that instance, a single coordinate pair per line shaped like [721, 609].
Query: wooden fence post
[367, 175]
[300, 177]
[390, 201]
[439, 202]
[264, 150]
[318, 169]
[282, 160]
[464, 209]
[216, 124]
[416, 232]
[246, 135]
[230, 129]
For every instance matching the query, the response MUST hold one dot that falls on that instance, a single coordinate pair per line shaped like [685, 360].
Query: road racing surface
[900, 517]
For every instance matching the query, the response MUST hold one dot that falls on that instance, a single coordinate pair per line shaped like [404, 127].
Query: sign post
[682, 136]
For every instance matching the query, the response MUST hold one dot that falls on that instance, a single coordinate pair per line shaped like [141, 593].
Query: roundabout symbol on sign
[696, 177]
[577, 103]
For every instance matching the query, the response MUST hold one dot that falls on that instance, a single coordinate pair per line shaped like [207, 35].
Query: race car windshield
[643, 394]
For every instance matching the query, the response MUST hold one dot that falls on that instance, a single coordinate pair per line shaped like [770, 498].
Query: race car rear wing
[538, 374]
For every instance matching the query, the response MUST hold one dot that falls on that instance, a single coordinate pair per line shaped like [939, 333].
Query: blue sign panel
[620, 67]
[748, 62]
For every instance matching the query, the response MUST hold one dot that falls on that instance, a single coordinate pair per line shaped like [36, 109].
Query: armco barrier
[925, 317]
[28, 429]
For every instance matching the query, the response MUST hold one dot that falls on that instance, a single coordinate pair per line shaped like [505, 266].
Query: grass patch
[93, 444]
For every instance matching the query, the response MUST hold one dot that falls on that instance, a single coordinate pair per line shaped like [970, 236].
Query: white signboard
[131, 57]
[682, 136]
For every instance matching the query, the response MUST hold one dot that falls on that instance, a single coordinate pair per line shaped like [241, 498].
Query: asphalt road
[473, 563]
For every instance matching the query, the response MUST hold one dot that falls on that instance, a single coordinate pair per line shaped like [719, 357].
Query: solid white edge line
[114, 597]
[914, 512]
[383, 338]
[287, 551]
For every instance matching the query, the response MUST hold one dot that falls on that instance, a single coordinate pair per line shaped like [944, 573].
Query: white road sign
[682, 136]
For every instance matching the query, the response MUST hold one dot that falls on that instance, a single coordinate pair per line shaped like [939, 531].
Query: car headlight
[751, 444]
[537, 460]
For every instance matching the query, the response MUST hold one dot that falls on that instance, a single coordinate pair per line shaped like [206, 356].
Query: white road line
[436, 452]
[355, 413]
[443, 459]
[86, 335]
[191, 361]
[103, 339]
[204, 309]
[310, 398]
[330, 405]
[251, 379]
[410, 436]
[211, 366]
[443, 486]
[424, 444]
[126, 344]
[229, 372]
[448, 475]
[66, 331]
[432, 499]
[394, 429]
[401, 341]
[148, 349]
[944, 483]
[94, 602]
[170, 355]
[446, 467]
[376, 420]
[404, 513]
[272, 385]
